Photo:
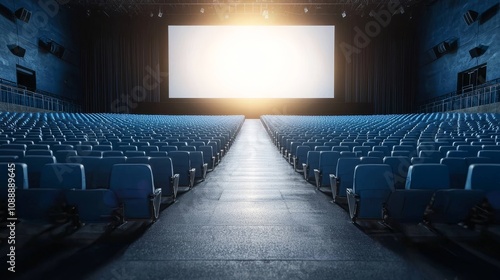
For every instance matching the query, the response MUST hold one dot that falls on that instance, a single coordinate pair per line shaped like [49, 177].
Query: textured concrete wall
[443, 20]
[60, 76]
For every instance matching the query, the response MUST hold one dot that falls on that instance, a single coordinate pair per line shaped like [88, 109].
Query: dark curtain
[121, 64]
[384, 71]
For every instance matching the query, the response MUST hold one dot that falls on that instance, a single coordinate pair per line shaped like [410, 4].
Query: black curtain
[121, 64]
[382, 71]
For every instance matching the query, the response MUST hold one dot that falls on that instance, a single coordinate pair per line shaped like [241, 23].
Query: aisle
[255, 218]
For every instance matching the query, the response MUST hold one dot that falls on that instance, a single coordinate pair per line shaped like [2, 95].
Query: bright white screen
[251, 61]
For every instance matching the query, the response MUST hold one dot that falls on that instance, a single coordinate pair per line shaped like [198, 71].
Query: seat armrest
[175, 184]
[317, 178]
[192, 173]
[204, 170]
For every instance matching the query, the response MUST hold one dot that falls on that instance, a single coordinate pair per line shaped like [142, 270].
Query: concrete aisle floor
[255, 218]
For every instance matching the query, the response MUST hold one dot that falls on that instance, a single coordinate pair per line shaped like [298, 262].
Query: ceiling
[226, 8]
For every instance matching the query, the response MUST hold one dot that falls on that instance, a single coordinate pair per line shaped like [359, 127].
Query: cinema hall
[249, 139]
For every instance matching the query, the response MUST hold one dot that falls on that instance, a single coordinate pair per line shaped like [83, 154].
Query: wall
[444, 19]
[58, 76]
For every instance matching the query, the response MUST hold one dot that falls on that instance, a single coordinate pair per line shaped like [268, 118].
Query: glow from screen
[251, 61]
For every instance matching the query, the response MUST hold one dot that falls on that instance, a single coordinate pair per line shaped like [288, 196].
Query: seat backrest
[345, 173]
[459, 154]
[181, 165]
[163, 171]
[328, 165]
[157, 154]
[133, 185]
[428, 176]
[312, 162]
[494, 155]
[168, 148]
[373, 177]
[39, 153]
[35, 166]
[373, 183]
[385, 149]
[484, 177]
[371, 160]
[197, 162]
[103, 172]
[63, 176]
[113, 153]
[458, 171]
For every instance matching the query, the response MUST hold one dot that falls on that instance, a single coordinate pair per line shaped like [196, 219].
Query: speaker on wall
[51, 47]
[470, 17]
[477, 51]
[23, 14]
[17, 50]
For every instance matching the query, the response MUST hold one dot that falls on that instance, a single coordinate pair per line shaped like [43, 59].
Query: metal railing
[13, 95]
[464, 99]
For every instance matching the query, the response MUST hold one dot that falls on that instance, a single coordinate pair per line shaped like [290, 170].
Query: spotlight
[306, 10]
[160, 14]
[202, 10]
[344, 14]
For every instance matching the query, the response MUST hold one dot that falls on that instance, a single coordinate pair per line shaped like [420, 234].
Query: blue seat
[399, 166]
[458, 171]
[384, 149]
[470, 149]
[8, 159]
[379, 154]
[134, 187]
[187, 148]
[421, 160]
[494, 155]
[91, 164]
[37, 147]
[197, 162]
[459, 154]
[208, 156]
[102, 148]
[168, 149]
[406, 206]
[12, 152]
[428, 176]
[47, 202]
[94, 206]
[343, 177]
[113, 153]
[370, 160]
[453, 206]
[363, 149]
[164, 176]
[63, 176]
[35, 166]
[372, 185]
[62, 147]
[149, 149]
[102, 173]
[312, 162]
[39, 153]
[157, 154]
[135, 154]
[182, 166]
[327, 165]
[300, 157]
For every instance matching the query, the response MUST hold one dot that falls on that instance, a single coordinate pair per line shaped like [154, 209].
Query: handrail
[14, 95]
[460, 100]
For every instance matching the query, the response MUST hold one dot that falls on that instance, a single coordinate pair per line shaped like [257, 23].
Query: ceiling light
[344, 14]
[306, 10]
[151, 14]
[265, 14]
[160, 14]
[202, 10]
